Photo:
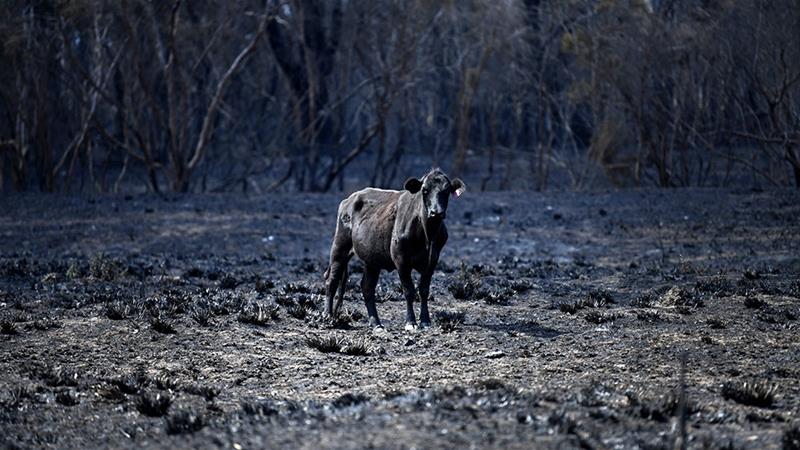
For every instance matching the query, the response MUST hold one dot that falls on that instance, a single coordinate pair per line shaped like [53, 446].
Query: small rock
[409, 342]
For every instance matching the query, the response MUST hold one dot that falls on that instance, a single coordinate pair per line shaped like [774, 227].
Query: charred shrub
[349, 399]
[300, 312]
[200, 314]
[648, 316]
[658, 407]
[331, 344]
[597, 317]
[55, 377]
[162, 325]
[449, 321]
[570, 307]
[117, 310]
[104, 268]
[465, 285]
[207, 392]
[753, 393]
[263, 407]
[791, 438]
[255, 313]
[183, 422]
[718, 286]
[775, 316]
[754, 303]
[166, 381]
[67, 398]
[681, 298]
[228, 282]
[496, 295]
[128, 384]
[8, 327]
[599, 298]
[263, 286]
[44, 324]
[153, 404]
[297, 288]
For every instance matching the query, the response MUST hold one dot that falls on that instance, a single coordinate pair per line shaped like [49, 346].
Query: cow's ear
[458, 187]
[413, 185]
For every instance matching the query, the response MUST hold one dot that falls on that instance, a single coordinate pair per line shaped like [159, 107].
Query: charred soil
[560, 320]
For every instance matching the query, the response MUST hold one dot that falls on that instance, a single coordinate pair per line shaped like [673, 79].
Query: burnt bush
[183, 422]
[104, 268]
[116, 310]
[162, 325]
[465, 285]
[597, 317]
[754, 302]
[717, 324]
[153, 404]
[255, 313]
[449, 321]
[8, 327]
[56, 377]
[599, 298]
[649, 316]
[349, 399]
[791, 438]
[718, 286]
[207, 392]
[752, 393]
[67, 398]
[332, 344]
[263, 407]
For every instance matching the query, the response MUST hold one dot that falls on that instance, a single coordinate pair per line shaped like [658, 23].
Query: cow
[392, 230]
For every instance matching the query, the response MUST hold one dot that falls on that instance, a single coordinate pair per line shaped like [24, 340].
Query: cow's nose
[436, 214]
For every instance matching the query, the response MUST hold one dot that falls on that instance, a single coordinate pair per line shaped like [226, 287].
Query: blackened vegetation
[153, 404]
[499, 370]
[449, 321]
[183, 421]
[754, 393]
[255, 313]
[345, 346]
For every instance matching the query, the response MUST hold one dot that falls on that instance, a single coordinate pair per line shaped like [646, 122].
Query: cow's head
[436, 189]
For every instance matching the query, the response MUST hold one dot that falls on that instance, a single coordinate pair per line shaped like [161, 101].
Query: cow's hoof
[411, 327]
[424, 325]
[378, 329]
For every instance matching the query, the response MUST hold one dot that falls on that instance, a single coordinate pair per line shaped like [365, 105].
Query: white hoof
[411, 327]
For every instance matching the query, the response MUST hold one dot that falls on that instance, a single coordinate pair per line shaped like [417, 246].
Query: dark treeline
[203, 95]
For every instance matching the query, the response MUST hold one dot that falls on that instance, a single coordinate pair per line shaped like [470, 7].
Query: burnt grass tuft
[262, 407]
[752, 393]
[67, 398]
[8, 327]
[597, 317]
[465, 285]
[255, 313]
[183, 422]
[117, 311]
[649, 316]
[791, 438]
[332, 344]
[153, 404]
[449, 321]
[56, 377]
[161, 325]
[754, 303]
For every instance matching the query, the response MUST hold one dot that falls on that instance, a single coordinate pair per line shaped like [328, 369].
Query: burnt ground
[561, 320]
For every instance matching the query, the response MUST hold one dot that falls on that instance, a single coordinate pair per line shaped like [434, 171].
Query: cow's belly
[371, 243]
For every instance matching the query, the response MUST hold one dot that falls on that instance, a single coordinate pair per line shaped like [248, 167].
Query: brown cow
[390, 230]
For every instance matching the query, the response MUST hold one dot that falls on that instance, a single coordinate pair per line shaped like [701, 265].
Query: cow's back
[372, 213]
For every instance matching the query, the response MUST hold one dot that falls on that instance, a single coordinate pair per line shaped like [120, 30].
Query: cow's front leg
[410, 293]
[425, 287]
[424, 294]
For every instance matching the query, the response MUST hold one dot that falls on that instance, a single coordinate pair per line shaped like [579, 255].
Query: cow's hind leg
[336, 273]
[368, 284]
[342, 287]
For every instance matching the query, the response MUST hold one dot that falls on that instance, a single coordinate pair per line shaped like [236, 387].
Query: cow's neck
[430, 228]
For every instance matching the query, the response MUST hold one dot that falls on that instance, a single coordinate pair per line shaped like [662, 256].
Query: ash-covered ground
[560, 320]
